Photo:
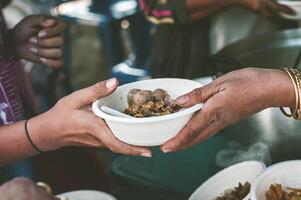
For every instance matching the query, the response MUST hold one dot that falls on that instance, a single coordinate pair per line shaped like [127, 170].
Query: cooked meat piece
[131, 95]
[143, 97]
[159, 94]
[145, 103]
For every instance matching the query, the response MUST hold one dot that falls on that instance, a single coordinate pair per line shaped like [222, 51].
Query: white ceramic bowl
[228, 179]
[286, 173]
[295, 5]
[151, 131]
[87, 195]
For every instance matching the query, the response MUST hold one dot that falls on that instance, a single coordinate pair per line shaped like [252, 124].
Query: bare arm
[69, 123]
[14, 144]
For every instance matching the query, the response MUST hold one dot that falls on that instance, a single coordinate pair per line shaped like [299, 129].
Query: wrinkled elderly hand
[72, 123]
[23, 188]
[268, 8]
[39, 38]
[229, 99]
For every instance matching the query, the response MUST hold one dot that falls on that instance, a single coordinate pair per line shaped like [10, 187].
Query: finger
[48, 22]
[54, 53]
[199, 95]
[273, 15]
[52, 31]
[202, 136]
[35, 21]
[84, 97]
[29, 55]
[54, 63]
[278, 8]
[49, 57]
[53, 42]
[61, 198]
[197, 124]
[265, 11]
[110, 141]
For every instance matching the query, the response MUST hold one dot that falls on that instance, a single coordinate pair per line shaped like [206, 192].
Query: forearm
[14, 144]
[279, 89]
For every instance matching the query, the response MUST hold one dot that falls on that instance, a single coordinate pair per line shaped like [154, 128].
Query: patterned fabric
[10, 103]
[165, 11]
[15, 88]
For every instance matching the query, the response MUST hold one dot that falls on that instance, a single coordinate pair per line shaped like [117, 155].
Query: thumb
[48, 22]
[90, 94]
[196, 96]
[38, 21]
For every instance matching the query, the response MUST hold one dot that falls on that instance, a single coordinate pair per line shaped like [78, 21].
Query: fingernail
[182, 100]
[146, 154]
[33, 50]
[42, 34]
[111, 83]
[166, 150]
[49, 21]
[44, 60]
[33, 40]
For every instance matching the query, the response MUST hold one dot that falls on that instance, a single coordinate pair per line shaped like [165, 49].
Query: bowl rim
[86, 191]
[261, 176]
[212, 178]
[179, 114]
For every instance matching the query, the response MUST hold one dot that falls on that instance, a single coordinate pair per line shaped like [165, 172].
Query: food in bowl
[147, 103]
[277, 192]
[238, 193]
[147, 131]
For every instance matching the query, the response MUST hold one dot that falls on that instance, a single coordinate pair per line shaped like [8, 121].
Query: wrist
[43, 133]
[280, 89]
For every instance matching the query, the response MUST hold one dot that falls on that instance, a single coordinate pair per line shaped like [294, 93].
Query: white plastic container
[288, 174]
[228, 179]
[87, 195]
[151, 131]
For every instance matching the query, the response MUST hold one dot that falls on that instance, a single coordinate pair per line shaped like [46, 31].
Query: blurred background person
[36, 39]
[188, 31]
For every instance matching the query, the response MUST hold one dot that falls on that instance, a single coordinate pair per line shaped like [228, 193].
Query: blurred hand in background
[39, 39]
